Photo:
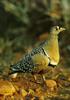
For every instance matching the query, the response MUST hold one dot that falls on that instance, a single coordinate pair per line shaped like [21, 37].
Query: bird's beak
[62, 29]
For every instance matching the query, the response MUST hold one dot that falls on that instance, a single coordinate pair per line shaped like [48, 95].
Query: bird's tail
[15, 69]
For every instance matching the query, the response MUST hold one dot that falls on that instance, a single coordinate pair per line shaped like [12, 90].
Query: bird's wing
[40, 61]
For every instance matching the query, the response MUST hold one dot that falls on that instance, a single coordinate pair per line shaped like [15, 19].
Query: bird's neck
[52, 41]
[52, 48]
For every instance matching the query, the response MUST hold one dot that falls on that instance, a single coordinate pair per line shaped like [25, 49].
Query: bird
[45, 55]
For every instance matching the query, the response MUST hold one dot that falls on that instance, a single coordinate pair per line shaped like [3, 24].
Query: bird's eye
[57, 28]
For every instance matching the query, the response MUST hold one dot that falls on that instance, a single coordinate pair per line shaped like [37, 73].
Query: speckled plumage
[26, 64]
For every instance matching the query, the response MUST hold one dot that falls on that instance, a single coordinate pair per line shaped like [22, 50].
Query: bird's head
[56, 30]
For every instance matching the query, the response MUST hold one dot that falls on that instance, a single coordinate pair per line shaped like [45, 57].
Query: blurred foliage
[30, 15]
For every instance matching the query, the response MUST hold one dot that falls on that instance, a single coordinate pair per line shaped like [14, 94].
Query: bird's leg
[43, 77]
[39, 78]
[31, 78]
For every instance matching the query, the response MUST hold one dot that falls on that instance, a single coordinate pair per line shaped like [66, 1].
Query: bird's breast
[52, 49]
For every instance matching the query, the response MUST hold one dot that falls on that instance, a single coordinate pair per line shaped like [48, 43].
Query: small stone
[31, 92]
[23, 92]
[51, 84]
[6, 88]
